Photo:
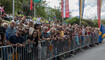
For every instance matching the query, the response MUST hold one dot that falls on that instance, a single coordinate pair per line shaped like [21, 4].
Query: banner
[99, 3]
[31, 4]
[65, 8]
[81, 8]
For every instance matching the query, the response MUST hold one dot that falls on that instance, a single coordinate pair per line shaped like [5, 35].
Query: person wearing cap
[25, 33]
[11, 30]
[45, 33]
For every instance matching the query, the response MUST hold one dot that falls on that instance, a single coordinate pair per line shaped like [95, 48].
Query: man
[2, 40]
[45, 33]
[17, 41]
[17, 38]
[2, 34]
[11, 30]
[83, 34]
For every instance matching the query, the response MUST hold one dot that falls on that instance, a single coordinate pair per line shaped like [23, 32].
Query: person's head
[34, 34]
[12, 24]
[37, 26]
[24, 17]
[26, 29]
[30, 24]
[19, 32]
[15, 18]
[21, 24]
[5, 25]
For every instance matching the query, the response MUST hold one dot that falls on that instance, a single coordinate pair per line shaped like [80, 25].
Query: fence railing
[27, 52]
[47, 49]
[50, 49]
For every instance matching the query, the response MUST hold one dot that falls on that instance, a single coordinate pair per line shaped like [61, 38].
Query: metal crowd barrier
[27, 52]
[6, 52]
[50, 49]
[47, 49]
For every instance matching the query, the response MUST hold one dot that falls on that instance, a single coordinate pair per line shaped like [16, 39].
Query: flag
[81, 8]
[31, 4]
[99, 3]
[101, 33]
[65, 8]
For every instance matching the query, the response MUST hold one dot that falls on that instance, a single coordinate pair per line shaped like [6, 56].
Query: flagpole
[34, 10]
[80, 21]
[13, 9]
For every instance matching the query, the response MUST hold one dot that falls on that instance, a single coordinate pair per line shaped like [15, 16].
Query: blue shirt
[10, 32]
[45, 35]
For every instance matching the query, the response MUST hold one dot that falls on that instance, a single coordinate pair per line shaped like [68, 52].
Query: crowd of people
[21, 31]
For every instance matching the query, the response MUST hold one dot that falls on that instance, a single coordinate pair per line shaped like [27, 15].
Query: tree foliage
[74, 20]
[24, 6]
[55, 13]
[85, 22]
[7, 4]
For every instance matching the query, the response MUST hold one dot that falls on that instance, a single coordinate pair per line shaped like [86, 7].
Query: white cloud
[73, 5]
[90, 10]
[53, 3]
[75, 13]
[103, 15]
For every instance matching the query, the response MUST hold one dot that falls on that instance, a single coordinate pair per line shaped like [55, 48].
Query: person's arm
[42, 36]
[8, 42]
[0, 41]
[4, 38]
[29, 39]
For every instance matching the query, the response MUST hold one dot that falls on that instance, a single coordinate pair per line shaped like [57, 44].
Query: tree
[40, 9]
[22, 5]
[7, 5]
[74, 20]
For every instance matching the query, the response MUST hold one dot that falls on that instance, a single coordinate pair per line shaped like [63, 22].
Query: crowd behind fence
[23, 39]
[47, 49]
[50, 49]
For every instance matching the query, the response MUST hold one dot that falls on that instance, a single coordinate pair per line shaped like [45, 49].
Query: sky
[90, 10]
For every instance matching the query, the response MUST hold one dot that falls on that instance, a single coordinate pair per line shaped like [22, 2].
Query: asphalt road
[96, 53]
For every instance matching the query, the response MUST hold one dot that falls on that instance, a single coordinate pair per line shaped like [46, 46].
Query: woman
[32, 47]
[34, 38]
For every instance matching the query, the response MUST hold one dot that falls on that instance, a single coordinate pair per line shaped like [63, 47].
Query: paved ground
[96, 53]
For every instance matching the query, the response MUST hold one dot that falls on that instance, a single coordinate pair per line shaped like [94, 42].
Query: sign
[36, 1]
